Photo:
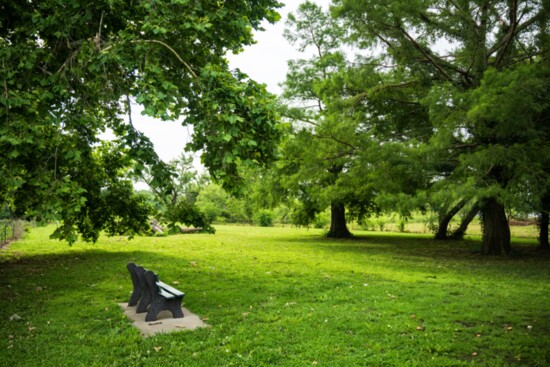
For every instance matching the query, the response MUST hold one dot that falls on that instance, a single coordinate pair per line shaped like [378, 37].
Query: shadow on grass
[101, 277]
[82, 271]
[423, 246]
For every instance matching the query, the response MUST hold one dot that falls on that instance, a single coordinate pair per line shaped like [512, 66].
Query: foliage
[447, 108]
[12, 230]
[70, 71]
[264, 218]
[175, 202]
[278, 296]
[246, 134]
[319, 148]
[212, 202]
[188, 214]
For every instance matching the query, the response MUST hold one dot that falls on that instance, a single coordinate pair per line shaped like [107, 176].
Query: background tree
[486, 40]
[68, 72]
[314, 160]
[177, 198]
[213, 203]
[261, 194]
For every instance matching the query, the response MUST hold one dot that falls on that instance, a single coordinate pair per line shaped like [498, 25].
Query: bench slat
[165, 294]
[172, 290]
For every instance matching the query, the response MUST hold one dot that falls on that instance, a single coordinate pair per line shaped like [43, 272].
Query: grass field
[279, 297]
[420, 223]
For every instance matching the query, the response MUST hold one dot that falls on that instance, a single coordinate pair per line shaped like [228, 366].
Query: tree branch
[128, 102]
[339, 155]
[514, 31]
[180, 59]
[507, 39]
[426, 54]
[332, 137]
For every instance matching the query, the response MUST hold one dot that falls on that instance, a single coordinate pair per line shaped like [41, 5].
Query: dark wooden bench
[153, 296]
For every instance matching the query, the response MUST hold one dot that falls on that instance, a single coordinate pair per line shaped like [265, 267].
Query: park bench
[153, 296]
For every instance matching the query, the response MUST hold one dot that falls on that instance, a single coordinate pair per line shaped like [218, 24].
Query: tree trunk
[543, 224]
[496, 230]
[338, 226]
[445, 218]
[458, 234]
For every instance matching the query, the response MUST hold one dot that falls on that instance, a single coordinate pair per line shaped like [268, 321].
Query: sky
[264, 62]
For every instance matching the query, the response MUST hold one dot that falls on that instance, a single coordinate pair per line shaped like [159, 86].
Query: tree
[312, 162]
[69, 70]
[486, 40]
[212, 202]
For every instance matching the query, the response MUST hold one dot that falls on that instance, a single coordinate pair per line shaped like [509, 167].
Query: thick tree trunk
[458, 234]
[338, 226]
[445, 218]
[544, 219]
[496, 230]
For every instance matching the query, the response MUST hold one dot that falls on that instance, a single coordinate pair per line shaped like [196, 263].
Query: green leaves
[68, 71]
[229, 119]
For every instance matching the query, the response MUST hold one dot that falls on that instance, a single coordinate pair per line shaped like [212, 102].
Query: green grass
[421, 223]
[279, 297]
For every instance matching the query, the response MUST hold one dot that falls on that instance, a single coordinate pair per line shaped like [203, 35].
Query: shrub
[264, 218]
[322, 220]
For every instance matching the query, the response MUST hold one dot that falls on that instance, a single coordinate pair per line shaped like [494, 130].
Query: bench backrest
[151, 279]
[137, 292]
[146, 291]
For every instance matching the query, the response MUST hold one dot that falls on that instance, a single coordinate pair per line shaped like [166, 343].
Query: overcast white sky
[265, 62]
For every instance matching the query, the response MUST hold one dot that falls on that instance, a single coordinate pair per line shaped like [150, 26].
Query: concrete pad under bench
[165, 323]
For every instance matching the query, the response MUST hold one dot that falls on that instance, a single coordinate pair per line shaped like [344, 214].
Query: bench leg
[154, 310]
[144, 301]
[134, 298]
[136, 293]
[174, 306]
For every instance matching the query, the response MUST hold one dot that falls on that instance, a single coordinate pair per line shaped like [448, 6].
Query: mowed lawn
[278, 297]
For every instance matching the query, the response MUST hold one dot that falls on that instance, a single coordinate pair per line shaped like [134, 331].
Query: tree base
[496, 230]
[332, 234]
[338, 225]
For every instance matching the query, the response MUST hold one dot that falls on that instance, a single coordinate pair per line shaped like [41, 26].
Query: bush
[367, 225]
[322, 220]
[264, 218]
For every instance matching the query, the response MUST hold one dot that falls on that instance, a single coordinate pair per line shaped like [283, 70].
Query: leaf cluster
[69, 71]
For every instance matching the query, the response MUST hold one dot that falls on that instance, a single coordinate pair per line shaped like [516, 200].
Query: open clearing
[278, 297]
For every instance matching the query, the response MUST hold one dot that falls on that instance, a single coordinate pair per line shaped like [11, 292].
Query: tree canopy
[70, 70]
[466, 60]
[427, 113]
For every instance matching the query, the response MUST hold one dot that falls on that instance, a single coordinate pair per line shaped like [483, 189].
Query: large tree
[313, 162]
[69, 71]
[459, 49]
